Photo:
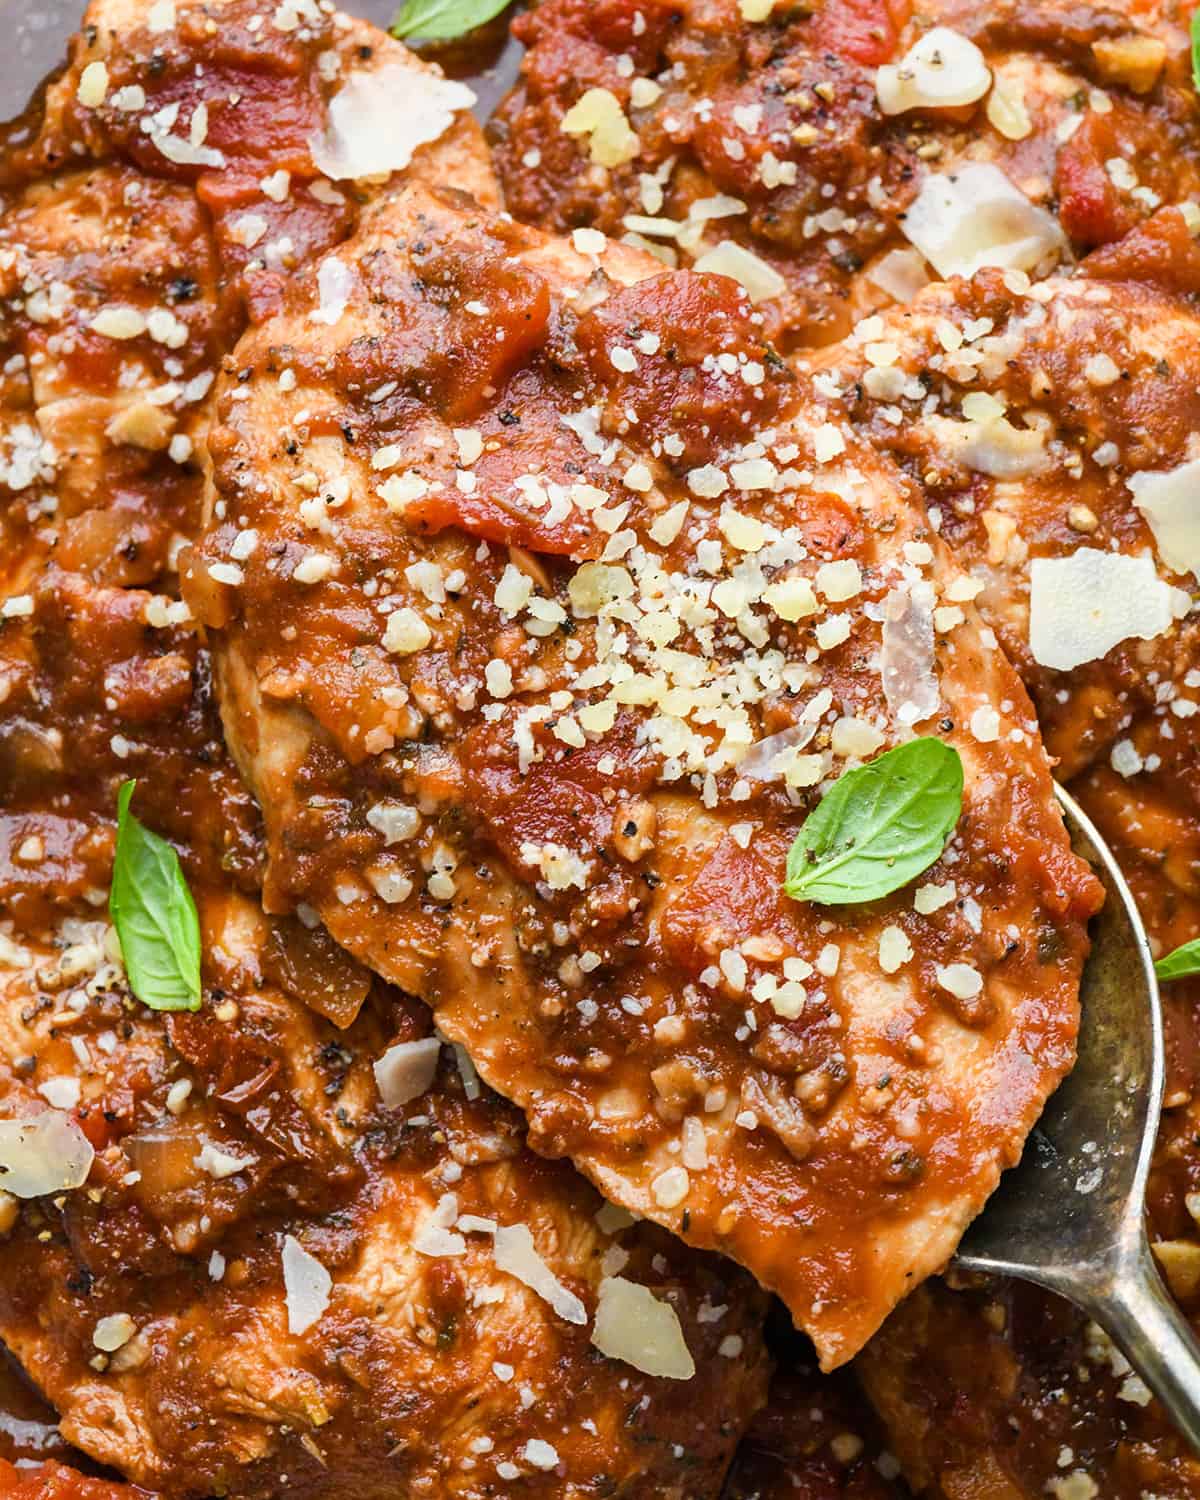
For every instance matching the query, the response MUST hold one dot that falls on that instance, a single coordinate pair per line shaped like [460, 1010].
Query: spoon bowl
[1071, 1215]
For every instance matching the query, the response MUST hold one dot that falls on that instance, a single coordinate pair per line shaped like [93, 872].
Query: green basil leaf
[1183, 961]
[154, 914]
[878, 826]
[443, 20]
[1195, 29]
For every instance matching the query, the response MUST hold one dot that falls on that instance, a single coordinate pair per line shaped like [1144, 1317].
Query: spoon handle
[1141, 1317]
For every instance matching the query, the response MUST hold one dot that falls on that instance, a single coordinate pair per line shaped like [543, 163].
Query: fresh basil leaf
[878, 826]
[443, 20]
[1195, 29]
[154, 914]
[1179, 964]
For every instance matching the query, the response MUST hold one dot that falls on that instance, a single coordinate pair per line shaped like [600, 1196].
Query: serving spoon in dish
[1070, 1216]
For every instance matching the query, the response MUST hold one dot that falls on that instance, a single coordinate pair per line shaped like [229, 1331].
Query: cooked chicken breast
[273, 1280]
[1144, 796]
[1002, 1390]
[853, 147]
[160, 192]
[1051, 429]
[281, 118]
[815, 1437]
[543, 615]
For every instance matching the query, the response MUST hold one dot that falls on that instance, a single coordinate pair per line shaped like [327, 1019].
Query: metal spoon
[1070, 1216]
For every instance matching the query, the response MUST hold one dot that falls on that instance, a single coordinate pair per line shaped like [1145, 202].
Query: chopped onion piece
[634, 1326]
[941, 70]
[48, 1153]
[1083, 605]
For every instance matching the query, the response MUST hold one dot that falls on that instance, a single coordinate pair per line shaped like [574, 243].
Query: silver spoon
[1070, 1216]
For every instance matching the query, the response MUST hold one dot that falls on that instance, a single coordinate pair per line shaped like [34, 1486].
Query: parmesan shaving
[758, 279]
[406, 1070]
[599, 116]
[515, 1253]
[975, 218]
[899, 273]
[1083, 605]
[307, 1285]
[993, 446]
[906, 661]
[634, 1326]
[435, 1236]
[377, 120]
[335, 282]
[1170, 502]
[769, 758]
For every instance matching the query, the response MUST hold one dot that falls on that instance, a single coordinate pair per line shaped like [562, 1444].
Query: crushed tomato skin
[690, 320]
[55, 1481]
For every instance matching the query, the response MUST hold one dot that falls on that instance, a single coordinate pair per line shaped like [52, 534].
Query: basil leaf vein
[878, 826]
[443, 20]
[1181, 962]
[154, 914]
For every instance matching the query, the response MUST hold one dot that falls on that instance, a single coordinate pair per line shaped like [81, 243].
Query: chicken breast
[1050, 427]
[281, 119]
[816, 1436]
[1144, 799]
[1003, 1390]
[274, 1279]
[55, 1481]
[156, 195]
[544, 613]
[837, 155]
[261, 1275]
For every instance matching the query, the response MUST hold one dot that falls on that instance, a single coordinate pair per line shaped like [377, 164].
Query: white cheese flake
[638, 1328]
[516, 1254]
[47, 1153]
[377, 120]
[1082, 605]
[406, 1070]
[307, 1285]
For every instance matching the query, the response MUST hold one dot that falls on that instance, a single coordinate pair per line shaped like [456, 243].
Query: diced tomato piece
[862, 31]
